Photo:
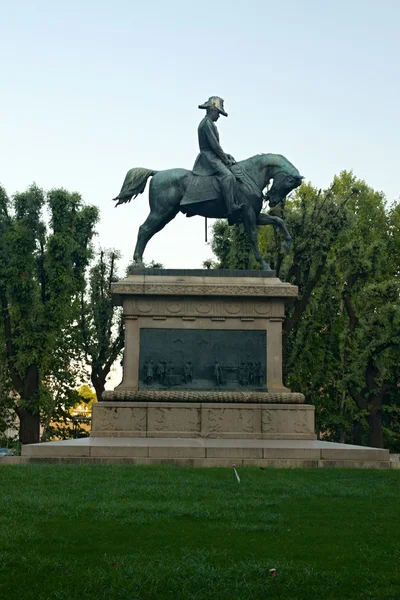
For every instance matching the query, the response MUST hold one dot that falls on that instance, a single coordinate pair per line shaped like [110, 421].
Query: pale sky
[92, 89]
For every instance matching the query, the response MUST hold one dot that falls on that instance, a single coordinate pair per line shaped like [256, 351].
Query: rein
[247, 179]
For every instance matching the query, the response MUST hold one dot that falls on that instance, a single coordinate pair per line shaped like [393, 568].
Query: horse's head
[286, 179]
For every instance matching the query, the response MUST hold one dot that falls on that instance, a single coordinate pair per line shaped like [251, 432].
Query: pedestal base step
[206, 452]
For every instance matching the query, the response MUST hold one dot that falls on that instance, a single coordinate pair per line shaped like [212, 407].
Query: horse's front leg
[277, 222]
[250, 225]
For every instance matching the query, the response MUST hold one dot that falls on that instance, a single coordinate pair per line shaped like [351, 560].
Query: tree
[341, 335]
[86, 395]
[67, 412]
[370, 290]
[7, 415]
[45, 247]
[232, 247]
[101, 330]
[101, 324]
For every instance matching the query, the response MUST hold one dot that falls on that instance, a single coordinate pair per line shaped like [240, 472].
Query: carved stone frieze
[245, 308]
[233, 308]
[167, 419]
[215, 420]
[203, 419]
[298, 421]
[198, 289]
[247, 420]
[144, 306]
[119, 419]
[225, 420]
[263, 308]
[269, 421]
[175, 307]
[302, 422]
[203, 308]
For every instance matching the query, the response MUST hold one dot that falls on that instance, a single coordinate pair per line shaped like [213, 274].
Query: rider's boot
[232, 208]
[234, 212]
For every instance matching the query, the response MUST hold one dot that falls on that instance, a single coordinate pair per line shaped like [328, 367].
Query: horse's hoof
[265, 266]
[135, 266]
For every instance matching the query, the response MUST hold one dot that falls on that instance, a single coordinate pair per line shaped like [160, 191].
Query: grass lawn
[116, 533]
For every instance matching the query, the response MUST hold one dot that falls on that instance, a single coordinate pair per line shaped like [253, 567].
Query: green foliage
[61, 420]
[342, 334]
[132, 267]
[101, 333]
[221, 244]
[87, 395]
[7, 414]
[58, 424]
[45, 247]
[240, 253]
[231, 246]
[167, 533]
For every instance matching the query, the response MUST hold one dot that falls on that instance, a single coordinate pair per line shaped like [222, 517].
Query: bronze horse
[168, 189]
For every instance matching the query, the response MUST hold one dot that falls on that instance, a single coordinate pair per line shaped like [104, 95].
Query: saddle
[205, 188]
[201, 189]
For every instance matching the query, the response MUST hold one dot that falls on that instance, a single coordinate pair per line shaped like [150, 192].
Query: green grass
[116, 533]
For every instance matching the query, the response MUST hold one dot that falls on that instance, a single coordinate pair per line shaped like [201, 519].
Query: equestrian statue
[217, 187]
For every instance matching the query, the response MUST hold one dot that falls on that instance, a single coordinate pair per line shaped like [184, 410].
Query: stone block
[234, 453]
[232, 420]
[217, 462]
[357, 453]
[12, 460]
[123, 417]
[288, 419]
[112, 451]
[355, 464]
[183, 452]
[177, 462]
[55, 449]
[288, 463]
[171, 420]
[291, 453]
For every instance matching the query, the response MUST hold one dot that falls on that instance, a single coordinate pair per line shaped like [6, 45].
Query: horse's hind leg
[154, 223]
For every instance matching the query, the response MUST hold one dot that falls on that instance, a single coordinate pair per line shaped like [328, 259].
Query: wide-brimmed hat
[215, 102]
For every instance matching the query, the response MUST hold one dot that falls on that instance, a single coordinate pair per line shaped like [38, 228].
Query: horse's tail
[134, 184]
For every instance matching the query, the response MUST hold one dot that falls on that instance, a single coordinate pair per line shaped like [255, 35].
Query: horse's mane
[273, 159]
[249, 160]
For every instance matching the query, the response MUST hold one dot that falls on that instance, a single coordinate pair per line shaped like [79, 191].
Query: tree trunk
[29, 414]
[99, 376]
[375, 400]
[357, 433]
[29, 428]
[375, 438]
[99, 383]
[99, 389]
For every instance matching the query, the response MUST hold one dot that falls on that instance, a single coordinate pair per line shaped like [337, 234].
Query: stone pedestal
[230, 317]
[233, 319]
[193, 326]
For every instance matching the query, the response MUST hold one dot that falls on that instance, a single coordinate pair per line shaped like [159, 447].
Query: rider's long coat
[211, 156]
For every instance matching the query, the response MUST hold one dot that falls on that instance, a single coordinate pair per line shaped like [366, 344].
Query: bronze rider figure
[212, 160]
